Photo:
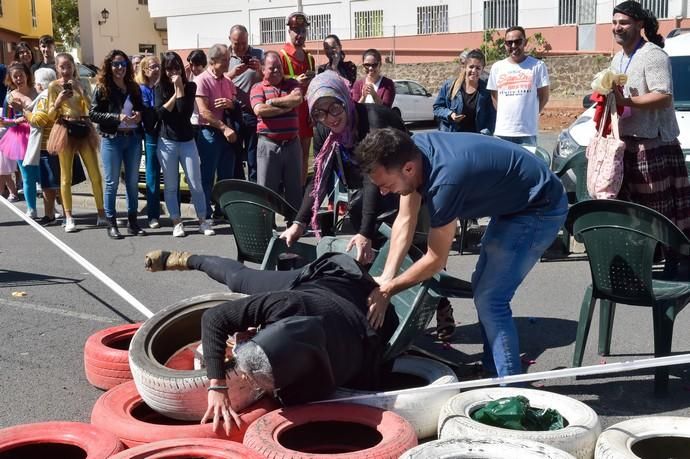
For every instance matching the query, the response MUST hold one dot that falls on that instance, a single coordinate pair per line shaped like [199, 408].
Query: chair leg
[583, 323]
[606, 314]
[461, 238]
[663, 317]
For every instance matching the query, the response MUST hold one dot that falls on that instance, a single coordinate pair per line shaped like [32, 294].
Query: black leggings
[241, 279]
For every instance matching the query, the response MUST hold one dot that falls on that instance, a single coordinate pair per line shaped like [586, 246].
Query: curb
[86, 201]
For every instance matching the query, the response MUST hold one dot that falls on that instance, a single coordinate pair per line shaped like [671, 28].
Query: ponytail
[651, 29]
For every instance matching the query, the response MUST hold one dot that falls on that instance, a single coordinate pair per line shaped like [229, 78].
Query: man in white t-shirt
[519, 86]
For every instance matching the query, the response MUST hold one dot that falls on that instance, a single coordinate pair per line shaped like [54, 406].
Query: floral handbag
[605, 157]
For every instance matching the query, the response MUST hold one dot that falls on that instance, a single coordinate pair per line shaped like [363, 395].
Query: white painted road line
[55, 311]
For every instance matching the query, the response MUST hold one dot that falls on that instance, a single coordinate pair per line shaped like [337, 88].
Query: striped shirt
[281, 127]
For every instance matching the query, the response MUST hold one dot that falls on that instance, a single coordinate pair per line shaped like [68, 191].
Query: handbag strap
[614, 117]
[602, 121]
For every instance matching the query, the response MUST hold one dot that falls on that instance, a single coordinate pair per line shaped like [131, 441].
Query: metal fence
[567, 12]
[432, 19]
[369, 23]
[272, 30]
[500, 14]
[319, 26]
[658, 7]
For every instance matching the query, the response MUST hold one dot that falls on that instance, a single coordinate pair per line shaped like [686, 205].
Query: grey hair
[253, 361]
[44, 76]
[238, 27]
[269, 53]
[216, 51]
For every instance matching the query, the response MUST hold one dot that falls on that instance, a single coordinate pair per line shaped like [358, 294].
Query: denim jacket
[444, 105]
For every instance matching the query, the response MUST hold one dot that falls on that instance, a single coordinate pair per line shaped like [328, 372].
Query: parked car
[413, 102]
[141, 182]
[576, 137]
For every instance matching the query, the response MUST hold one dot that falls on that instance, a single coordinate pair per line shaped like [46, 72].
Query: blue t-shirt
[472, 175]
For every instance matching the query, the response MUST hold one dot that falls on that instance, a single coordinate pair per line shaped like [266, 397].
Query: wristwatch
[269, 102]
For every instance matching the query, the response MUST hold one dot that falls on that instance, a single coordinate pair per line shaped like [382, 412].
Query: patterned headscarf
[329, 84]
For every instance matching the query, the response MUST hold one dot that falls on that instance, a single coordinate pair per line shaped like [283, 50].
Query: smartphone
[67, 86]
[246, 59]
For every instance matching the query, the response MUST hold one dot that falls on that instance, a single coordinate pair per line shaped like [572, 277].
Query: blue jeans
[217, 157]
[153, 177]
[171, 154]
[528, 140]
[116, 151]
[30, 176]
[510, 247]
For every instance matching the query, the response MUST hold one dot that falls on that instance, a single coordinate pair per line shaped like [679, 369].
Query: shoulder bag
[605, 157]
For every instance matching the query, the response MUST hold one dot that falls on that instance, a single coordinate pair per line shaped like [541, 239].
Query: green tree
[66, 22]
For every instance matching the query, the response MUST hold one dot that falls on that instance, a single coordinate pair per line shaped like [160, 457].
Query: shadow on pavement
[24, 279]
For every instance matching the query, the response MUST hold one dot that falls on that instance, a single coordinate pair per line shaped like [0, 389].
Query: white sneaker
[206, 227]
[31, 213]
[101, 221]
[178, 230]
[70, 227]
[153, 223]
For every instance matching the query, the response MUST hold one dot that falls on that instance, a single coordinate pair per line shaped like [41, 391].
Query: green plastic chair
[620, 238]
[578, 164]
[250, 209]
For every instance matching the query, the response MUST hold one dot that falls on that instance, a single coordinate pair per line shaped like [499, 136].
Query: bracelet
[210, 388]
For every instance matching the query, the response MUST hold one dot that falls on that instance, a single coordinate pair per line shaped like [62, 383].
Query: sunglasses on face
[119, 64]
[299, 31]
[335, 109]
[370, 66]
[154, 67]
[517, 42]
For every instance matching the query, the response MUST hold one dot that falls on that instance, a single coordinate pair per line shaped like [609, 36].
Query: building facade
[119, 24]
[23, 20]
[405, 31]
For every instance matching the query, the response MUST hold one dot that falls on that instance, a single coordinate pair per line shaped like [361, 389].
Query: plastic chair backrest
[540, 153]
[414, 307]
[578, 164]
[250, 209]
[620, 238]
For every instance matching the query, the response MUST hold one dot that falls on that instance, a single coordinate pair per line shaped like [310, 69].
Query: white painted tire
[421, 410]
[485, 448]
[577, 438]
[179, 394]
[619, 440]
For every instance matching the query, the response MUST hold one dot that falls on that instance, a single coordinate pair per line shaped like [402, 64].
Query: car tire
[189, 447]
[577, 438]
[106, 360]
[485, 448]
[421, 410]
[122, 411]
[650, 436]
[180, 394]
[58, 439]
[320, 430]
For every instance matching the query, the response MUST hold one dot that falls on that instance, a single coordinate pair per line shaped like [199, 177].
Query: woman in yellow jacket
[73, 132]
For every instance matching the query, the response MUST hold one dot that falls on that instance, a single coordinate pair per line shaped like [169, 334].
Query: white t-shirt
[369, 99]
[517, 113]
[127, 109]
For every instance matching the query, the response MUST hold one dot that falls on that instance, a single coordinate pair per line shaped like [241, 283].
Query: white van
[576, 136]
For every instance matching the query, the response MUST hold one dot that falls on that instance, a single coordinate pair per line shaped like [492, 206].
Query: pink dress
[13, 144]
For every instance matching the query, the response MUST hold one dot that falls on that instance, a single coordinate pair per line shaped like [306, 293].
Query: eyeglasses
[302, 31]
[335, 109]
[119, 64]
[370, 66]
[154, 67]
[517, 42]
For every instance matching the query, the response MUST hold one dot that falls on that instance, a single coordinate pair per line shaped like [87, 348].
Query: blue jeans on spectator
[116, 151]
[217, 159]
[171, 155]
[510, 247]
[525, 141]
[153, 177]
[30, 176]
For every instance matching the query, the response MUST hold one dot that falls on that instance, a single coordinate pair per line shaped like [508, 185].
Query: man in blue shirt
[463, 175]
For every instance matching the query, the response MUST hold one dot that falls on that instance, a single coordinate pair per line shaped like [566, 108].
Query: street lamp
[105, 14]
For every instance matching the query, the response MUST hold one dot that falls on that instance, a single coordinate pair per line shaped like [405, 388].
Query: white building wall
[128, 26]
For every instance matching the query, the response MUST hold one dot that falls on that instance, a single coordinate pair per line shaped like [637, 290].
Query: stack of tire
[650, 436]
[457, 428]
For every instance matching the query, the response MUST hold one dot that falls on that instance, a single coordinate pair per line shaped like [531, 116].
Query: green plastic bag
[515, 413]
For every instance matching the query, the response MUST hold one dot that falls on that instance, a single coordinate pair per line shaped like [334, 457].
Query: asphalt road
[41, 369]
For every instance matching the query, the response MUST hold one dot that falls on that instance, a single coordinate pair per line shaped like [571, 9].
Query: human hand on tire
[219, 406]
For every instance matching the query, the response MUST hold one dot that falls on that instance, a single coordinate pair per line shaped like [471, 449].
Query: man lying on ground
[313, 331]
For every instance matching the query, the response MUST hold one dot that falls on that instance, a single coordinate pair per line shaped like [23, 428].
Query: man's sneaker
[70, 227]
[31, 213]
[101, 221]
[154, 224]
[178, 230]
[12, 198]
[206, 228]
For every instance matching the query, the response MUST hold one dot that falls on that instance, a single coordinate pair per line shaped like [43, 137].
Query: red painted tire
[184, 358]
[58, 440]
[106, 356]
[122, 412]
[189, 447]
[331, 430]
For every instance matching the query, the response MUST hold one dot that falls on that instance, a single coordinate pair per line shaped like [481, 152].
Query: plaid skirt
[655, 176]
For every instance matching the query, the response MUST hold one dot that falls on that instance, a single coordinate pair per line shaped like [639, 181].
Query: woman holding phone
[463, 103]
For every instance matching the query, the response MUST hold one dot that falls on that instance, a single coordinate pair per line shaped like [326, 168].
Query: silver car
[413, 102]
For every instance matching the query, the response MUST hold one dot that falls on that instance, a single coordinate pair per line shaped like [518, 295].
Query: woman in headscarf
[342, 124]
